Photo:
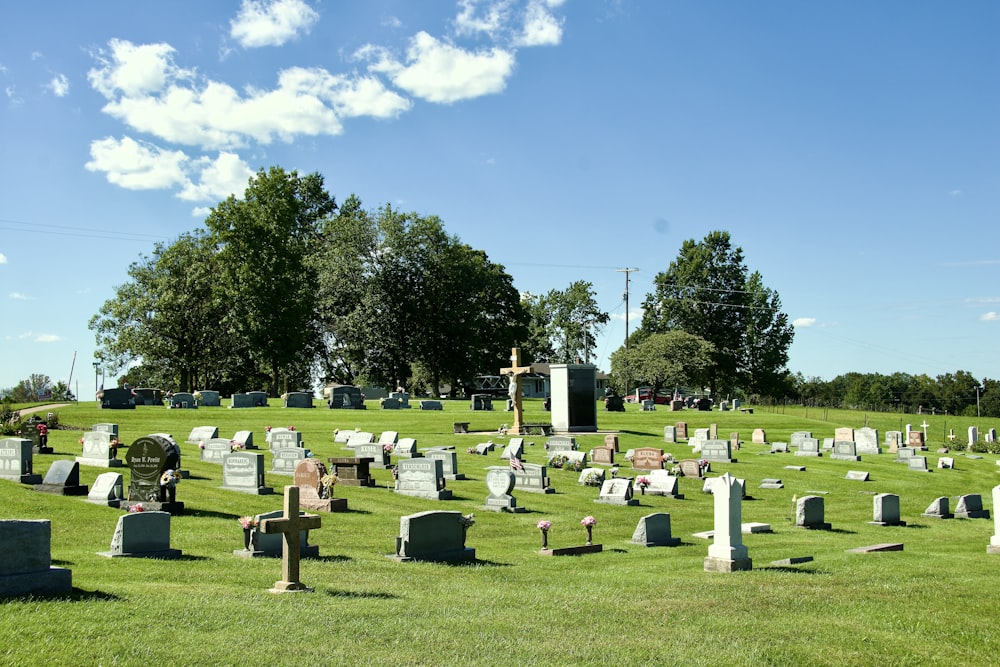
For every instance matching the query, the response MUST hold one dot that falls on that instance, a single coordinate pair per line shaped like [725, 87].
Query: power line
[79, 232]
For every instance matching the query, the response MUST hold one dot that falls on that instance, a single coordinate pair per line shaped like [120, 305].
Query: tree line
[284, 288]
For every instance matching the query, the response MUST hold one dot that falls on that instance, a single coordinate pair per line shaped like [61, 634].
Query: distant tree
[663, 361]
[537, 345]
[564, 323]
[706, 292]
[60, 392]
[264, 240]
[27, 390]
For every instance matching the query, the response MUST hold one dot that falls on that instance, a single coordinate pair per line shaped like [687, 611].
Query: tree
[564, 323]
[169, 316]
[664, 360]
[29, 389]
[767, 337]
[264, 240]
[706, 292]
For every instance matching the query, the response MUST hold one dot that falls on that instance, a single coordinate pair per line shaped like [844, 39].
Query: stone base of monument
[62, 490]
[163, 554]
[468, 554]
[252, 490]
[993, 548]
[43, 450]
[815, 526]
[713, 564]
[629, 502]
[664, 494]
[290, 587]
[932, 515]
[503, 504]
[99, 463]
[27, 478]
[573, 551]
[324, 504]
[53, 581]
[310, 551]
[452, 478]
[175, 508]
[887, 523]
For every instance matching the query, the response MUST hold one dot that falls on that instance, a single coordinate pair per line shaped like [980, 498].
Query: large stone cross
[290, 526]
[515, 372]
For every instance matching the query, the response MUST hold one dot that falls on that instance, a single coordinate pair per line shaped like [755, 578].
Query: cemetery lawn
[934, 602]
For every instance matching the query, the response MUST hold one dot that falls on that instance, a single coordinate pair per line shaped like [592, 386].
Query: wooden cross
[924, 426]
[516, 370]
[290, 525]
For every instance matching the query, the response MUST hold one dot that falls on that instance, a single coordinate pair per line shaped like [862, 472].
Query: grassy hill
[933, 603]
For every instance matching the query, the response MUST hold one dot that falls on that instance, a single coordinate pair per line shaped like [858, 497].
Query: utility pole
[626, 272]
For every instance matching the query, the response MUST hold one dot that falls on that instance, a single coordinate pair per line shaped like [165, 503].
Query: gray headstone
[857, 475]
[533, 478]
[970, 506]
[270, 544]
[26, 566]
[215, 450]
[449, 462]
[209, 398]
[617, 491]
[285, 459]
[108, 489]
[500, 482]
[244, 471]
[433, 536]
[142, 535]
[421, 478]
[16, 461]
[938, 509]
[810, 513]
[202, 434]
[886, 510]
[917, 463]
[866, 440]
[669, 434]
[653, 530]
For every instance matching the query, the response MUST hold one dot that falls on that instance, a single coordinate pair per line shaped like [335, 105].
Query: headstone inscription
[647, 458]
[808, 447]
[62, 479]
[289, 526]
[779, 447]
[105, 427]
[244, 472]
[653, 530]
[845, 450]
[16, 461]
[602, 456]
[148, 460]
[374, 451]
[215, 450]
[915, 439]
[560, 443]
[727, 552]
[717, 451]
[843, 433]
[108, 489]
[662, 483]
[313, 493]
[352, 470]
[532, 477]
[917, 463]
[617, 491]
[421, 478]
[99, 451]
[682, 430]
[500, 482]
[758, 437]
[449, 462]
[26, 567]
[904, 454]
[669, 434]
[407, 448]
[691, 468]
[433, 536]
[795, 441]
[285, 438]
[285, 459]
[142, 535]
[611, 442]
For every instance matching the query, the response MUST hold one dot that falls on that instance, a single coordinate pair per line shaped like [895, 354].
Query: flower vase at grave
[590, 535]
[545, 539]
[247, 537]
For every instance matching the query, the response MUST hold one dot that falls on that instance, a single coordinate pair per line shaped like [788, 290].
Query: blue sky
[850, 148]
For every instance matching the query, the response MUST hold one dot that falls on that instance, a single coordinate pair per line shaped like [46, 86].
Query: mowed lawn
[934, 602]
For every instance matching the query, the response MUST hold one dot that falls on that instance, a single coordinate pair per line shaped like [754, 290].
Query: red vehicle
[663, 396]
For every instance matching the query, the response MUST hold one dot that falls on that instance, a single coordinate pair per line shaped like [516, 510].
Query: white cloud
[132, 70]
[59, 85]
[12, 96]
[137, 166]
[36, 55]
[444, 73]
[17, 296]
[476, 16]
[219, 178]
[991, 316]
[955, 193]
[271, 22]
[157, 98]
[47, 338]
[201, 211]
[540, 27]
[803, 322]
[3, 258]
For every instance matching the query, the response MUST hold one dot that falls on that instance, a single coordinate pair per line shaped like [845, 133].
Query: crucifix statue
[289, 526]
[515, 372]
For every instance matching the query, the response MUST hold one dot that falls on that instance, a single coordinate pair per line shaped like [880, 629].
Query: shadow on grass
[75, 595]
[63, 563]
[790, 568]
[362, 595]
[473, 563]
[332, 559]
[210, 514]
[198, 477]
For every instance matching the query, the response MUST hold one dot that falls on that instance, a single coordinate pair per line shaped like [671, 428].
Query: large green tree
[264, 241]
[170, 315]
[663, 360]
[706, 291]
[564, 323]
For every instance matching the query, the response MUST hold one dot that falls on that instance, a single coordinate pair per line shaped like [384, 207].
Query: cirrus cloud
[271, 22]
[991, 316]
[803, 322]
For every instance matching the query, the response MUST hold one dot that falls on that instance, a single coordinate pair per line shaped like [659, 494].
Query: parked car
[663, 396]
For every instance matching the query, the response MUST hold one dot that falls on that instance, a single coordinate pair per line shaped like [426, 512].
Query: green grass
[933, 603]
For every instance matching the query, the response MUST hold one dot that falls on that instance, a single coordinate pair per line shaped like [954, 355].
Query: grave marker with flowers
[588, 522]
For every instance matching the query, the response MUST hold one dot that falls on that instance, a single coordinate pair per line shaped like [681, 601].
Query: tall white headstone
[727, 553]
[994, 546]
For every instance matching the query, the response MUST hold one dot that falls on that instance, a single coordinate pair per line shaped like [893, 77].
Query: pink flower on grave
[291, 428]
[387, 448]
[544, 525]
[588, 521]
[643, 481]
[81, 441]
[247, 521]
[267, 428]
[135, 509]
